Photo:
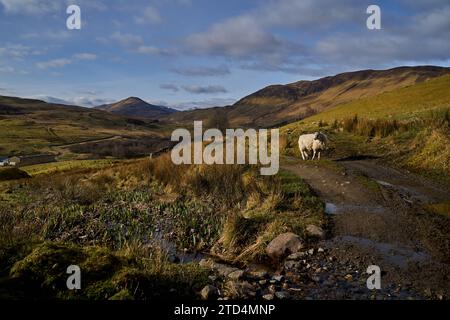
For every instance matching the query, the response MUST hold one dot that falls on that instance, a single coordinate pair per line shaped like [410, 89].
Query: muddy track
[378, 217]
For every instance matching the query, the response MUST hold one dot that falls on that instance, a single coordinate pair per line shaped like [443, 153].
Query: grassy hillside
[408, 127]
[281, 104]
[405, 103]
[33, 126]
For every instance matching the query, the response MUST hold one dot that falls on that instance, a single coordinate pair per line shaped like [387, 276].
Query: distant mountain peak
[138, 108]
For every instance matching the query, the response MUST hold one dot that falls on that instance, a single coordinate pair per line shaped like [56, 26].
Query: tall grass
[381, 128]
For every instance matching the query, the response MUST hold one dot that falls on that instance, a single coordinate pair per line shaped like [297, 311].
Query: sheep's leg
[303, 156]
[319, 156]
[314, 154]
[306, 155]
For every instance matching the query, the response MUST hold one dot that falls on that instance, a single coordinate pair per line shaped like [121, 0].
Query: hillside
[281, 104]
[403, 103]
[408, 127]
[34, 126]
[137, 108]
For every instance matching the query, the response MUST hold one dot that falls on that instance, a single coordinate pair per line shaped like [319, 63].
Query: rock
[209, 292]
[296, 256]
[205, 263]
[240, 290]
[291, 265]
[315, 231]
[311, 252]
[262, 282]
[268, 297]
[285, 244]
[282, 295]
[259, 274]
[236, 275]
[222, 269]
[320, 250]
[279, 278]
[348, 277]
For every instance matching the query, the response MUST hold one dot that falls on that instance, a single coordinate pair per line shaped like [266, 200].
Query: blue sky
[201, 53]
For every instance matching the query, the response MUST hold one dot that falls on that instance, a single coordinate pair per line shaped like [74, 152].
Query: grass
[12, 174]
[407, 127]
[54, 167]
[122, 220]
[405, 103]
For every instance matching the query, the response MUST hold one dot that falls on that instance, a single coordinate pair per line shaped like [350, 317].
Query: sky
[201, 53]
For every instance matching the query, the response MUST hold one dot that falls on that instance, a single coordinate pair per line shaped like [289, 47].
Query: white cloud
[30, 7]
[150, 15]
[153, 50]
[43, 7]
[85, 56]
[85, 101]
[238, 37]
[126, 39]
[16, 51]
[56, 63]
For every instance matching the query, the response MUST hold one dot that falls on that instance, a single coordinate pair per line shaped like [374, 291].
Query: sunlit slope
[404, 103]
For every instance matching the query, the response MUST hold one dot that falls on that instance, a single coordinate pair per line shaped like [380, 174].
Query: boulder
[315, 231]
[209, 292]
[283, 245]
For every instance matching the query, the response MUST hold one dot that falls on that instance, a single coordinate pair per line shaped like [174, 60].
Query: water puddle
[331, 208]
[384, 183]
[396, 255]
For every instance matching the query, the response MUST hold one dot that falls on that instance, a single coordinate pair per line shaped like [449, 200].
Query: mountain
[282, 104]
[34, 126]
[135, 107]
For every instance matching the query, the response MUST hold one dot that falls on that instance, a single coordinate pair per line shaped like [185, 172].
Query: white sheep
[315, 142]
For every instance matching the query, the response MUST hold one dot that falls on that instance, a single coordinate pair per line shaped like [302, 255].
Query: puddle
[331, 208]
[174, 254]
[384, 183]
[396, 255]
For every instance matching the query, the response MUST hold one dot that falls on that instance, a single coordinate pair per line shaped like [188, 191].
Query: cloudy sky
[198, 53]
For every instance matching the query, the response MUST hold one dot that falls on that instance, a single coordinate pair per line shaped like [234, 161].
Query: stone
[268, 297]
[279, 278]
[259, 274]
[209, 292]
[283, 245]
[282, 295]
[240, 290]
[236, 275]
[315, 231]
[291, 265]
[311, 252]
[296, 256]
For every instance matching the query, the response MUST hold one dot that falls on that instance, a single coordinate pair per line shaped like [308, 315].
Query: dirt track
[378, 216]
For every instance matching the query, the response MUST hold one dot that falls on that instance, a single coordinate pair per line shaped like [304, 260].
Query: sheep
[315, 142]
